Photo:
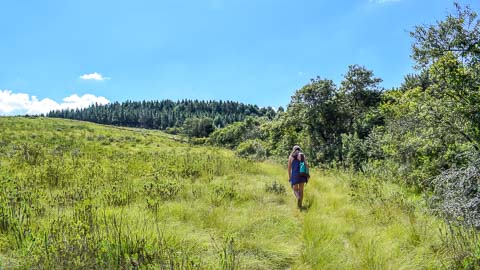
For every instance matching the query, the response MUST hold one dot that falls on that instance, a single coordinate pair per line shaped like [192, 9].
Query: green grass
[80, 195]
[359, 223]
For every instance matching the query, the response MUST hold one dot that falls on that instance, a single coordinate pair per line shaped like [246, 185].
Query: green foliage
[230, 136]
[314, 109]
[355, 151]
[198, 127]
[429, 130]
[431, 122]
[253, 149]
[323, 114]
[119, 194]
[275, 187]
[236, 133]
[228, 254]
[279, 135]
[456, 195]
[412, 81]
[167, 114]
[458, 34]
[16, 210]
[463, 245]
[166, 190]
[223, 193]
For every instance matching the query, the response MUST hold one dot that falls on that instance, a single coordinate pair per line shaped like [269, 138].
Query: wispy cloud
[21, 103]
[383, 1]
[94, 76]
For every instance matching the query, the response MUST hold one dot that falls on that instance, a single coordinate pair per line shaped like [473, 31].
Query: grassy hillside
[80, 195]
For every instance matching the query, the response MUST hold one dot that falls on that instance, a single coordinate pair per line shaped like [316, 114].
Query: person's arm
[289, 168]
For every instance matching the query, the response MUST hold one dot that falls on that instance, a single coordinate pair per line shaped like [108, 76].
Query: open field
[77, 195]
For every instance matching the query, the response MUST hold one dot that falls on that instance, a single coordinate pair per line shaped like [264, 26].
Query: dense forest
[424, 133]
[199, 118]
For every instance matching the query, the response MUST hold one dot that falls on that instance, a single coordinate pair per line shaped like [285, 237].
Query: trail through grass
[358, 223]
[77, 195]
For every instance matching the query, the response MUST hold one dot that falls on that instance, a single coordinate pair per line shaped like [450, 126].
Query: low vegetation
[76, 195]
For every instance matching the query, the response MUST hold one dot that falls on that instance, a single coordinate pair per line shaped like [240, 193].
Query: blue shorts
[298, 180]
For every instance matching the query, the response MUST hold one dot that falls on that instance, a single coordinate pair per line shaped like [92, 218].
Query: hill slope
[81, 195]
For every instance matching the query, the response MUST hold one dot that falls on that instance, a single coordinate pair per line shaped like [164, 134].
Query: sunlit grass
[88, 195]
[81, 195]
[371, 226]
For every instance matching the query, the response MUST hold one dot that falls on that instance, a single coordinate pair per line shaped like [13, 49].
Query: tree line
[193, 117]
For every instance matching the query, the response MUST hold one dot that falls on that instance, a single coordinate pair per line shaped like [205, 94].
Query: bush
[233, 135]
[253, 149]
[354, 150]
[198, 127]
[457, 194]
[198, 141]
[275, 187]
[166, 190]
[230, 136]
[223, 193]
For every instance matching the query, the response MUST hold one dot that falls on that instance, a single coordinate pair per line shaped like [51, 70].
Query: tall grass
[357, 222]
[76, 195]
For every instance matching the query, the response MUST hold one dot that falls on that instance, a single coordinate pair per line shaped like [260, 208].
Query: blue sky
[71, 53]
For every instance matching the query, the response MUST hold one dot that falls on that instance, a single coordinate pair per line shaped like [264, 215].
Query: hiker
[296, 178]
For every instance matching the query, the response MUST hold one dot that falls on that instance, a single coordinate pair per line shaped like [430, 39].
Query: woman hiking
[296, 179]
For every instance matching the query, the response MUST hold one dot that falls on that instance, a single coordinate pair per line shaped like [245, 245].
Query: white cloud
[94, 76]
[21, 103]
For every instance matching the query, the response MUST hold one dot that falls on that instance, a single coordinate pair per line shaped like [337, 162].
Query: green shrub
[275, 187]
[229, 256]
[223, 193]
[119, 195]
[252, 149]
[166, 190]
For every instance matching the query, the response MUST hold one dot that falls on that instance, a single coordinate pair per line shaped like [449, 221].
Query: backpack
[304, 169]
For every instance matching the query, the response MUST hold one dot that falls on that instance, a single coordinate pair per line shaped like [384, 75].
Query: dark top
[296, 177]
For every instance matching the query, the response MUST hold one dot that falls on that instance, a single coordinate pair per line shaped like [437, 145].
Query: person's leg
[300, 193]
[296, 192]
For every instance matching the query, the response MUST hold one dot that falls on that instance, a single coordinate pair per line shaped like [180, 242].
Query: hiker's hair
[302, 156]
[295, 153]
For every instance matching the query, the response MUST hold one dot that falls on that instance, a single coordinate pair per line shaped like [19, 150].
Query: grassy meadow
[76, 195]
